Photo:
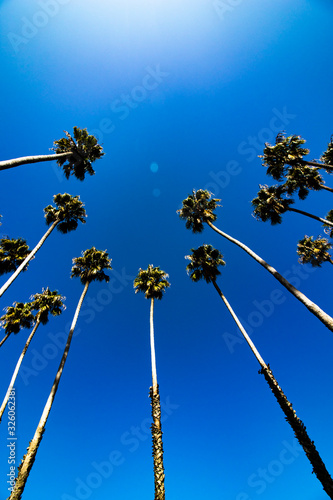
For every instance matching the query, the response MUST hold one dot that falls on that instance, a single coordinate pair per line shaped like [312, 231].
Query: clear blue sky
[182, 95]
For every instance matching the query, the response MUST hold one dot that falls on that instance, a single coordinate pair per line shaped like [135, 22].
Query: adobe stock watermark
[223, 7]
[130, 441]
[127, 102]
[266, 308]
[36, 361]
[124, 105]
[250, 147]
[260, 480]
[30, 27]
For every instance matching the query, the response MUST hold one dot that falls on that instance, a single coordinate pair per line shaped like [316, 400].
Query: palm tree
[269, 205]
[12, 254]
[204, 263]
[44, 303]
[314, 252]
[65, 218]
[198, 208]
[90, 267]
[153, 283]
[288, 151]
[17, 316]
[74, 155]
[302, 178]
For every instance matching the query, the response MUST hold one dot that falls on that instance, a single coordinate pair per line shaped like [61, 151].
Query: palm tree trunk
[27, 259]
[296, 424]
[152, 347]
[4, 339]
[18, 364]
[326, 188]
[156, 427]
[30, 456]
[318, 466]
[311, 306]
[4, 165]
[324, 221]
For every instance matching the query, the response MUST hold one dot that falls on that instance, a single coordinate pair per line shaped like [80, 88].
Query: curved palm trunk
[156, 427]
[4, 165]
[27, 259]
[29, 458]
[297, 425]
[327, 188]
[4, 339]
[324, 221]
[311, 306]
[18, 364]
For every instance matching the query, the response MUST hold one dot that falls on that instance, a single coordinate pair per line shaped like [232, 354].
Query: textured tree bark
[156, 430]
[301, 434]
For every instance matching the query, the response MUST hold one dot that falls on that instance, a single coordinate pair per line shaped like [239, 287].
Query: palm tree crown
[46, 303]
[204, 263]
[198, 208]
[269, 204]
[327, 156]
[17, 316]
[286, 151]
[85, 149]
[301, 179]
[314, 252]
[152, 282]
[69, 211]
[90, 267]
[12, 254]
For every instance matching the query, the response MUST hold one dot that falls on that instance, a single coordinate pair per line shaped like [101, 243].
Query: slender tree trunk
[29, 458]
[27, 259]
[318, 466]
[4, 165]
[324, 221]
[296, 424]
[311, 306]
[156, 427]
[323, 186]
[152, 347]
[18, 364]
[4, 339]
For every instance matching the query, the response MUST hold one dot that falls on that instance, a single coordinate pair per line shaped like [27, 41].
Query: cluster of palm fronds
[286, 163]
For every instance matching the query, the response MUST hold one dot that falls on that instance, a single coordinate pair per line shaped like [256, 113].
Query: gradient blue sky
[196, 88]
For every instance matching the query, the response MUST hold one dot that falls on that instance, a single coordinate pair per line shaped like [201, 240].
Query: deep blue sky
[196, 88]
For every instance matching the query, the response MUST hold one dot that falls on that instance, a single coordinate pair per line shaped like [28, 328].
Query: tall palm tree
[74, 155]
[65, 218]
[44, 303]
[198, 208]
[204, 263]
[90, 267]
[153, 283]
[314, 252]
[12, 254]
[269, 205]
[287, 153]
[17, 316]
